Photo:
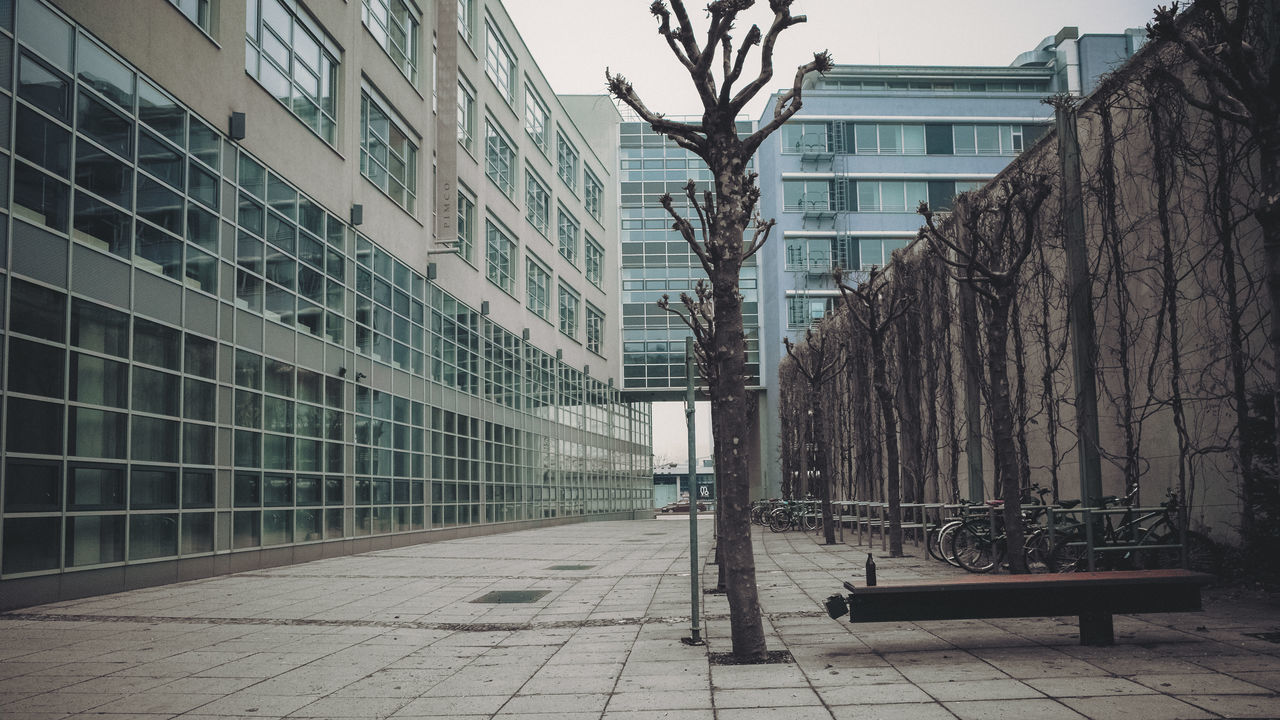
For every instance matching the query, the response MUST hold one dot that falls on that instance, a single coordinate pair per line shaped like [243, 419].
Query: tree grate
[511, 596]
[570, 567]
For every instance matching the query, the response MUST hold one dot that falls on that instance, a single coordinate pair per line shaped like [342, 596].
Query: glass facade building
[656, 261]
[210, 366]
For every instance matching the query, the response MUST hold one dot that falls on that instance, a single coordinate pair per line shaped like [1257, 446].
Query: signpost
[695, 628]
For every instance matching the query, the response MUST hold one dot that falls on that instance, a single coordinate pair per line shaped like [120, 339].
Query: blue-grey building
[845, 176]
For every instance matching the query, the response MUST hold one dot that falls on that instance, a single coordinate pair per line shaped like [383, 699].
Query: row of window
[877, 196]
[821, 255]
[1040, 86]
[907, 138]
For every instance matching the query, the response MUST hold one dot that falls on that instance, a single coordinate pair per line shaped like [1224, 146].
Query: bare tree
[723, 216]
[1234, 47]
[877, 304]
[1000, 228]
[817, 363]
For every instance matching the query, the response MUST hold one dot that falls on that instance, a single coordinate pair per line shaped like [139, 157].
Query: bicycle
[793, 513]
[1143, 539]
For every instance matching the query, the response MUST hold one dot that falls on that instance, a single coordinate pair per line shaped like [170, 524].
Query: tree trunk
[893, 486]
[820, 460]
[1002, 429]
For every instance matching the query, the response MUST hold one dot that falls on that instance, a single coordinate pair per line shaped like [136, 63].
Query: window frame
[593, 260]
[592, 194]
[568, 320]
[370, 100]
[408, 62]
[533, 103]
[567, 161]
[568, 250]
[466, 224]
[495, 42]
[506, 249]
[466, 114]
[493, 132]
[594, 340]
[539, 303]
[541, 221]
[328, 50]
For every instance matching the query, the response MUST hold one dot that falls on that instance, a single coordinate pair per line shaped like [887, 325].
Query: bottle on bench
[871, 571]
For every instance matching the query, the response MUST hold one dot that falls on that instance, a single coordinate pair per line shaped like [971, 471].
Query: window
[987, 139]
[569, 300]
[466, 114]
[891, 196]
[466, 20]
[387, 157]
[799, 138]
[499, 158]
[594, 255]
[499, 63]
[819, 255]
[567, 161]
[500, 251]
[808, 195]
[803, 311]
[592, 193]
[889, 139]
[537, 284]
[876, 252]
[595, 330]
[197, 11]
[395, 26]
[567, 231]
[466, 226]
[535, 119]
[295, 61]
[537, 200]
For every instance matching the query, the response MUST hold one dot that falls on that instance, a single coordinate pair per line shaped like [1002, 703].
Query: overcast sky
[574, 40]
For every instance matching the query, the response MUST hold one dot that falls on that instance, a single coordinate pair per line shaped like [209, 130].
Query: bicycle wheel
[1036, 551]
[809, 518]
[779, 520]
[974, 550]
[933, 541]
[945, 548]
[1067, 556]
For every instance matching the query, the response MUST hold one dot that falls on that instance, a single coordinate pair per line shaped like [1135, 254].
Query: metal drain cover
[570, 567]
[511, 596]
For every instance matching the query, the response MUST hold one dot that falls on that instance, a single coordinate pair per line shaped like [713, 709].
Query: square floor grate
[511, 596]
[570, 567]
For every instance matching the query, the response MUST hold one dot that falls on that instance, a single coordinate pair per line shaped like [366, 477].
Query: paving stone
[901, 711]
[979, 690]
[1237, 706]
[1136, 707]
[1199, 684]
[872, 694]
[1012, 710]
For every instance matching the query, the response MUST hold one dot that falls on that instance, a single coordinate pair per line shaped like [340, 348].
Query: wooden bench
[1094, 597]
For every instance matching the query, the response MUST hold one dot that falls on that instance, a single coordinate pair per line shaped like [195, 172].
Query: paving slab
[395, 634]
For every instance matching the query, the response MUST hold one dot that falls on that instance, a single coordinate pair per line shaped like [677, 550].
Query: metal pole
[695, 629]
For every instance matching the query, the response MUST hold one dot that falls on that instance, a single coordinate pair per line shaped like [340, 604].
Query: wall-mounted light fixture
[342, 372]
[357, 214]
[484, 307]
[236, 127]
[360, 376]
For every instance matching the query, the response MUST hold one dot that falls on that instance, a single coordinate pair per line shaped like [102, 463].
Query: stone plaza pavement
[398, 634]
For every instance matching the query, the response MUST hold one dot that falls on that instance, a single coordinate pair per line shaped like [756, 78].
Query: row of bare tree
[1120, 275]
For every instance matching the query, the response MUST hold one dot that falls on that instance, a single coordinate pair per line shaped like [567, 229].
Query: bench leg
[1097, 629]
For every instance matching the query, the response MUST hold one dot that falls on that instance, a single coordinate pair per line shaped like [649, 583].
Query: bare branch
[782, 20]
[659, 10]
[790, 102]
[682, 225]
[759, 236]
[688, 136]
